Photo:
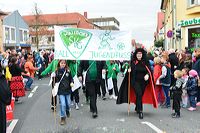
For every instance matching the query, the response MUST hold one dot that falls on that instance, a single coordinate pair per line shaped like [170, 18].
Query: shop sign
[195, 35]
[194, 21]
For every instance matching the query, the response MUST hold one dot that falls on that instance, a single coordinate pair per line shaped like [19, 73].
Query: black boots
[67, 113]
[140, 115]
[176, 115]
[94, 115]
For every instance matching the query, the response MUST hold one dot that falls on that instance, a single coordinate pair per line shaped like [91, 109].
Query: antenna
[66, 8]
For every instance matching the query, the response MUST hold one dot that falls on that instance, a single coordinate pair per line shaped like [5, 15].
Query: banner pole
[54, 102]
[129, 79]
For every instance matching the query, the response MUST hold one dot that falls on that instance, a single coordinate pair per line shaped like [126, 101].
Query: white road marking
[33, 91]
[153, 127]
[11, 126]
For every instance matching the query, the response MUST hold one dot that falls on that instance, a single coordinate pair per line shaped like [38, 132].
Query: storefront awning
[24, 45]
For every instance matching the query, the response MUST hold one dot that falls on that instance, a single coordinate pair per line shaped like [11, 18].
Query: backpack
[5, 93]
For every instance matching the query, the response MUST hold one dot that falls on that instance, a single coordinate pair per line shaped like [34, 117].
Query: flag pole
[129, 85]
[54, 102]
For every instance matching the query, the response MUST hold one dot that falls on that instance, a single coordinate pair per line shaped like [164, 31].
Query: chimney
[66, 8]
[85, 14]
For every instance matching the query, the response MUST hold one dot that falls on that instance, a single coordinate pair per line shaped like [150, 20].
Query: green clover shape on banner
[75, 40]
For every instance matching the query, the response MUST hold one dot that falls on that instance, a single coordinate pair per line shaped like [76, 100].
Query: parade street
[34, 115]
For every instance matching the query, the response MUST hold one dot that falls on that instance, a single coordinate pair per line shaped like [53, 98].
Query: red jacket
[157, 72]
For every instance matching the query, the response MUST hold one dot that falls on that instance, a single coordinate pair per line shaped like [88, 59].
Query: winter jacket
[64, 86]
[173, 61]
[181, 65]
[51, 67]
[84, 65]
[165, 77]
[73, 67]
[112, 73]
[192, 86]
[29, 68]
[196, 65]
[157, 72]
[15, 70]
[178, 85]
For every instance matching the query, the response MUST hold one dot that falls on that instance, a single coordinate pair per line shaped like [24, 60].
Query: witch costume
[141, 91]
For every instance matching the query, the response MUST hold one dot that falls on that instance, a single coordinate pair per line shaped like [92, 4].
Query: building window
[21, 35]
[12, 34]
[33, 40]
[7, 33]
[52, 38]
[193, 2]
[25, 35]
[194, 38]
[49, 39]
[198, 2]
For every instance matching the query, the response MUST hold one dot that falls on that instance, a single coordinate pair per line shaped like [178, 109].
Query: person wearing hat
[196, 67]
[142, 86]
[192, 89]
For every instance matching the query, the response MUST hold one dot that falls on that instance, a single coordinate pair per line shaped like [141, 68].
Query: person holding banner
[92, 79]
[52, 68]
[113, 70]
[73, 66]
[102, 86]
[64, 76]
[141, 83]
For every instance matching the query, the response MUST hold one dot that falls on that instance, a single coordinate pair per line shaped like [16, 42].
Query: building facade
[15, 31]
[45, 27]
[159, 34]
[183, 19]
[106, 23]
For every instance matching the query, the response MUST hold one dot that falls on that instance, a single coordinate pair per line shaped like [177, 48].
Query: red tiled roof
[60, 19]
[45, 32]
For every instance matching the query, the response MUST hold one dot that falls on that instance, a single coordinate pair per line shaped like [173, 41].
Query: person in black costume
[142, 86]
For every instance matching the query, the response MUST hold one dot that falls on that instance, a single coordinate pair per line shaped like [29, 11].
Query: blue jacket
[192, 86]
[196, 66]
[166, 81]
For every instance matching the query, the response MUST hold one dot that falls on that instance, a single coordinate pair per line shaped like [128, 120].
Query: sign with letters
[90, 44]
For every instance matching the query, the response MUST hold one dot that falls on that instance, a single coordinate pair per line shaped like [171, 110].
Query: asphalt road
[34, 116]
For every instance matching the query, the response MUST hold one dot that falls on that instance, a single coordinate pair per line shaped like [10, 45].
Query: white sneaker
[72, 103]
[115, 97]
[111, 97]
[77, 107]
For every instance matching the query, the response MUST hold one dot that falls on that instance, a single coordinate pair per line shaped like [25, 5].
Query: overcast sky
[139, 16]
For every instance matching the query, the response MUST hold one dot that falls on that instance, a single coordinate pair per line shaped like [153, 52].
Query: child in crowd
[184, 88]
[192, 89]
[64, 76]
[157, 72]
[165, 78]
[177, 93]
